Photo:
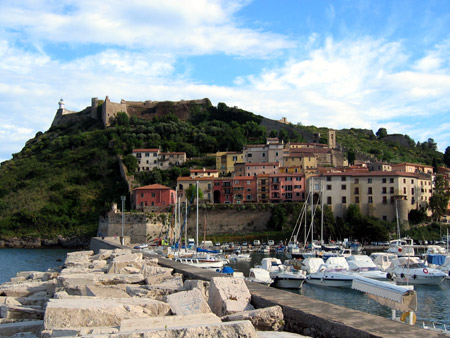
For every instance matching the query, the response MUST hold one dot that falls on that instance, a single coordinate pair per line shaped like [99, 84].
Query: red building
[286, 187]
[223, 190]
[244, 189]
[155, 195]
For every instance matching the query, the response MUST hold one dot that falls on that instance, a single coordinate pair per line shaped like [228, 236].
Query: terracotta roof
[374, 174]
[263, 164]
[153, 187]
[144, 150]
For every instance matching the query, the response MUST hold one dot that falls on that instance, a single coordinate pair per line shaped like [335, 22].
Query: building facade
[379, 194]
[148, 159]
[155, 195]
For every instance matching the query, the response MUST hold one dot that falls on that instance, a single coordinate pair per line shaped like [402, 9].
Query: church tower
[331, 138]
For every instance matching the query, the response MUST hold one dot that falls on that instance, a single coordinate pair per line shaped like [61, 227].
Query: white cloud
[190, 27]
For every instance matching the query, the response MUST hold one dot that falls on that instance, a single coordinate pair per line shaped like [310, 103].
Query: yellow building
[300, 160]
[225, 161]
[205, 184]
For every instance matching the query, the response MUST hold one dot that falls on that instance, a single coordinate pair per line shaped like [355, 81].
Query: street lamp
[123, 198]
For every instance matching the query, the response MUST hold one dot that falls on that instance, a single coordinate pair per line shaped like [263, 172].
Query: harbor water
[433, 301]
[15, 260]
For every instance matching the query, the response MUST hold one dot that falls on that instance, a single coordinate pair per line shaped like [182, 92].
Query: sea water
[15, 260]
[433, 301]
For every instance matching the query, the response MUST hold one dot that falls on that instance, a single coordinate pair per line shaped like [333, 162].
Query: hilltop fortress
[106, 110]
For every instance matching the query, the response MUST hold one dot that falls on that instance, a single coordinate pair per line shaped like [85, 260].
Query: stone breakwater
[120, 293]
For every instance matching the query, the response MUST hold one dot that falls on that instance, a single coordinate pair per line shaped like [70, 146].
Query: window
[248, 182]
[391, 190]
[369, 191]
[369, 180]
[412, 191]
[329, 200]
[249, 197]
[384, 199]
[412, 181]
[328, 178]
[288, 187]
[357, 199]
[391, 180]
[384, 218]
[356, 191]
[404, 180]
[344, 187]
[142, 195]
[384, 180]
[404, 190]
[328, 186]
[263, 154]
[153, 194]
[343, 178]
[356, 180]
[392, 199]
[288, 179]
[249, 155]
[370, 200]
[384, 190]
[344, 199]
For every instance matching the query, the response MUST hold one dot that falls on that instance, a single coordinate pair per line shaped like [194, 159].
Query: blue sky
[339, 64]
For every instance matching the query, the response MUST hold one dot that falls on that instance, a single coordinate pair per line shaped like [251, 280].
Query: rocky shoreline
[121, 293]
[34, 243]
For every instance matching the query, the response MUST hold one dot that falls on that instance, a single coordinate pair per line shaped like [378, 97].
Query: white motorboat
[331, 275]
[239, 257]
[260, 276]
[282, 275]
[383, 260]
[206, 262]
[402, 247]
[363, 266]
[411, 270]
[311, 265]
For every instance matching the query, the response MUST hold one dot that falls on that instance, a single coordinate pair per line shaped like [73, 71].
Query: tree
[431, 144]
[382, 133]
[351, 156]
[273, 133]
[191, 193]
[440, 198]
[447, 157]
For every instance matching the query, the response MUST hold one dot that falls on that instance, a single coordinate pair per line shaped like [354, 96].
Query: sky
[337, 64]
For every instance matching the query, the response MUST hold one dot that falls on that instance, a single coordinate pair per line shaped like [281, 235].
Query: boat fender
[402, 275]
[425, 270]
[414, 276]
[405, 315]
[388, 275]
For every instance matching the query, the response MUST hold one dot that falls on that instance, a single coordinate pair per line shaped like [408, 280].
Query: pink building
[155, 195]
[255, 169]
[286, 187]
[244, 189]
[223, 190]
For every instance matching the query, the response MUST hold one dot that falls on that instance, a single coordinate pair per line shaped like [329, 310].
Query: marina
[432, 308]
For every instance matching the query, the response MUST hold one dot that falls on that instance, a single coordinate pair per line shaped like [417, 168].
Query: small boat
[239, 257]
[283, 276]
[331, 275]
[207, 262]
[383, 260]
[311, 264]
[411, 270]
[402, 247]
[260, 276]
[363, 266]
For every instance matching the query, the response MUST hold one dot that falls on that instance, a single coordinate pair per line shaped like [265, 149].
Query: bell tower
[331, 138]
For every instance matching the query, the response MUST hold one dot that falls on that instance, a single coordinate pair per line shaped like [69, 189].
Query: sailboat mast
[312, 212]
[321, 213]
[196, 233]
[396, 215]
[185, 225]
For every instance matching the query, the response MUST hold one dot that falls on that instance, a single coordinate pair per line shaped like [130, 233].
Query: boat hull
[332, 282]
[288, 283]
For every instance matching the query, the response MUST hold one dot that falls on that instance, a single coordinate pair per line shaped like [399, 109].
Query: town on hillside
[281, 173]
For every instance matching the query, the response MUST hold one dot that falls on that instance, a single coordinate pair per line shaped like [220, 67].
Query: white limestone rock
[113, 278]
[11, 329]
[239, 329]
[148, 292]
[106, 292]
[188, 302]
[21, 312]
[168, 322]
[228, 295]
[27, 288]
[202, 285]
[99, 312]
[156, 274]
[175, 283]
[264, 319]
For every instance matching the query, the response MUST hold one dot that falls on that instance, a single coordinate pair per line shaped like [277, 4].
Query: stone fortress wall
[141, 109]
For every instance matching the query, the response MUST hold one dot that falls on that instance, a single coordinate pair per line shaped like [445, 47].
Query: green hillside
[63, 179]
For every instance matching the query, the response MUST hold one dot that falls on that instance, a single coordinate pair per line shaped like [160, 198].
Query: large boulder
[156, 274]
[188, 302]
[99, 312]
[228, 295]
[264, 319]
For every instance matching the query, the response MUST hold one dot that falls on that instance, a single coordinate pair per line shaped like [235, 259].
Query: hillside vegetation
[63, 179]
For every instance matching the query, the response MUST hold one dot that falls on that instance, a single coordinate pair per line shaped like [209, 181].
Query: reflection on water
[433, 301]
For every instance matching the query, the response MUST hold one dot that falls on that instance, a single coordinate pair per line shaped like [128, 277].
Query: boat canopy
[341, 261]
[396, 297]
[436, 259]
[312, 264]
